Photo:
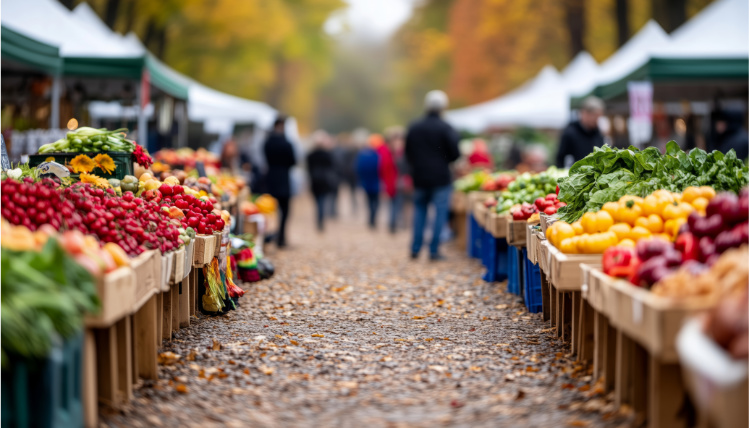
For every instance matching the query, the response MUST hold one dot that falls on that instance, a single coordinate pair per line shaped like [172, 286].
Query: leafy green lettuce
[607, 174]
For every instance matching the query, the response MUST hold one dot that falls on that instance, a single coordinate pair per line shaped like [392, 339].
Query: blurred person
[321, 173]
[431, 146]
[368, 174]
[480, 156]
[338, 153]
[581, 136]
[388, 173]
[350, 155]
[398, 174]
[279, 154]
[619, 134]
[730, 133]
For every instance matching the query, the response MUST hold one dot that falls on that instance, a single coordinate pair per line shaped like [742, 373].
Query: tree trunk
[111, 12]
[150, 34]
[670, 14]
[160, 43]
[575, 17]
[130, 12]
[622, 21]
[274, 96]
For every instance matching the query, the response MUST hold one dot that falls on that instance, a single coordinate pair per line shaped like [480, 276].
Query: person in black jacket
[581, 136]
[431, 145]
[730, 133]
[279, 154]
[322, 173]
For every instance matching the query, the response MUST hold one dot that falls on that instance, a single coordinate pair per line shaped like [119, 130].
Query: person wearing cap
[581, 136]
[279, 153]
[431, 146]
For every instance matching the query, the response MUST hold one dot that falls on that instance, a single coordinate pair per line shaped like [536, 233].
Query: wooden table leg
[107, 365]
[586, 340]
[145, 340]
[194, 291]
[185, 302]
[546, 304]
[166, 322]
[174, 297]
[609, 355]
[665, 395]
[159, 325]
[89, 392]
[566, 315]
[125, 358]
[625, 357]
[574, 321]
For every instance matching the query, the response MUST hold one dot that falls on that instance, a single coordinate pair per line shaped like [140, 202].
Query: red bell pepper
[686, 244]
[618, 261]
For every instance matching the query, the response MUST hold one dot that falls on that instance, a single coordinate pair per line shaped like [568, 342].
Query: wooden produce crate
[516, 231]
[204, 250]
[147, 269]
[544, 258]
[546, 221]
[189, 255]
[499, 228]
[459, 202]
[538, 238]
[604, 333]
[480, 213]
[167, 262]
[530, 239]
[178, 266]
[116, 291]
[565, 268]
[217, 243]
[652, 321]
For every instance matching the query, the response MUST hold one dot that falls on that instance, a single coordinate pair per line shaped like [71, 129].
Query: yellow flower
[95, 180]
[105, 163]
[50, 159]
[82, 163]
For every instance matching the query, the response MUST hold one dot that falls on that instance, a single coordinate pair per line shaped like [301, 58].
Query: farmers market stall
[123, 260]
[628, 254]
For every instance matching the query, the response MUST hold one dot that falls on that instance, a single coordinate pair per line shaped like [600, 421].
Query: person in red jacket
[388, 170]
[480, 157]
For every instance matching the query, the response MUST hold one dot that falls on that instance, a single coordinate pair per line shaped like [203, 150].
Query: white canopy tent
[543, 102]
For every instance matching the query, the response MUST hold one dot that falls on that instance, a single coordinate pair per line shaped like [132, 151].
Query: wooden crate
[116, 292]
[515, 232]
[480, 213]
[204, 251]
[147, 269]
[178, 266]
[499, 228]
[217, 243]
[538, 237]
[189, 256]
[565, 268]
[530, 238]
[653, 321]
[544, 258]
[459, 202]
[167, 262]
[546, 221]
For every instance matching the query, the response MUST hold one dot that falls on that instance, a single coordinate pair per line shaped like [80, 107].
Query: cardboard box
[116, 292]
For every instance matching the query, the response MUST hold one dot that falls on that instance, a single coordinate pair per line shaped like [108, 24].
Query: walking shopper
[338, 153]
[368, 173]
[398, 174]
[389, 177]
[431, 146]
[480, 157]
[322, 175]
[279, 154]
[581, 136]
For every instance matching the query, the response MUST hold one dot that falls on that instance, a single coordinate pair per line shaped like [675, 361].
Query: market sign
[640, 112]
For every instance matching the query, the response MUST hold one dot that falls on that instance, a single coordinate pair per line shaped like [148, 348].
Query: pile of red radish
[33, 204]
[134, 224]
[550, 204]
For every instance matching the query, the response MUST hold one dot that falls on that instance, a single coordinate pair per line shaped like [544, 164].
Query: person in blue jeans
[368, 174]
[431, 146]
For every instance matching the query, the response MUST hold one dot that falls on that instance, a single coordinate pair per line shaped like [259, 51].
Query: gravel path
[352, 332]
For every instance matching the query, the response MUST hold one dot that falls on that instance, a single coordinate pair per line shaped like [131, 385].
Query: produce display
[87, 139]
[607, 174]
[661, 215]
[728, 323]
[497, 182]
[471, 182]
[670, 268]
[527, 188]
[46, 291]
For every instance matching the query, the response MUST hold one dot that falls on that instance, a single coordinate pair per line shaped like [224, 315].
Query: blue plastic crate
[45, 393]
[513, 273]
[474, 238]
[532, 285]
[495, 258]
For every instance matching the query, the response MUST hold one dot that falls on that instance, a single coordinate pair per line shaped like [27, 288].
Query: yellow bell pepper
[628, 212]
[653, 223]
[677, 210]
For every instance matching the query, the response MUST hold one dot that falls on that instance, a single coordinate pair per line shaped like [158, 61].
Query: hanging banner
[640, 112]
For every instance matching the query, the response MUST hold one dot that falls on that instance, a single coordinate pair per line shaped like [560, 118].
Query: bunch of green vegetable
[87, 139]
[528, 187]
[607, 174]
[43, 295]
[471, 182]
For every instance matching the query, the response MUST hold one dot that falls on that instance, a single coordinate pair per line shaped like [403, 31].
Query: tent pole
[54, 118]
[142, 124]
